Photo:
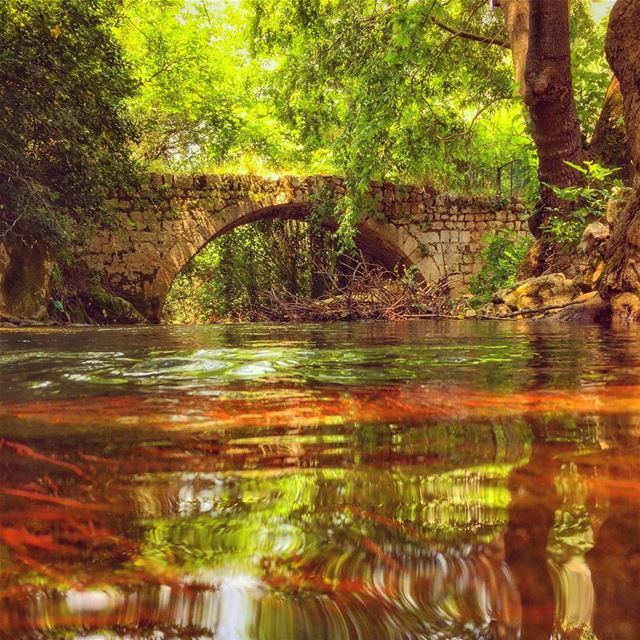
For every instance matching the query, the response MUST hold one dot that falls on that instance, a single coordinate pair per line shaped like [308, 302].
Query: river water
[370, 481]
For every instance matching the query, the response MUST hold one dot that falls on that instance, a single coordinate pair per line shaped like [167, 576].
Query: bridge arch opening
[281, 247]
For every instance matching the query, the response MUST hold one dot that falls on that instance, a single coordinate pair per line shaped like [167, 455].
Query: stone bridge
[160, 228]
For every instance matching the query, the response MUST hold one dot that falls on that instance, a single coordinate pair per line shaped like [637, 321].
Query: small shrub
[590, 203]
[502, 254]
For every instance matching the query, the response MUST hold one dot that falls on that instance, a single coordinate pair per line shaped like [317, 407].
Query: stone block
[168, 180]
[430, 268]
[155, 181]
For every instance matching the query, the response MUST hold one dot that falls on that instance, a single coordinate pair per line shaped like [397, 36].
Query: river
[427, 480]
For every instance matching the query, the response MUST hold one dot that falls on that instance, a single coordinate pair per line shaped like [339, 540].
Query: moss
[107, 308]
[24, 280]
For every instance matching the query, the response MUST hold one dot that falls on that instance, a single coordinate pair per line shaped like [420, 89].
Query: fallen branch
[427, 316]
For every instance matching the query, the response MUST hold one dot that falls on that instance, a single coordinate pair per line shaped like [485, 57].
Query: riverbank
[31, 297]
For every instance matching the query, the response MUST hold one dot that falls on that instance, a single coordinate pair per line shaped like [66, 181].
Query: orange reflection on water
[255, 487]
[291, 407]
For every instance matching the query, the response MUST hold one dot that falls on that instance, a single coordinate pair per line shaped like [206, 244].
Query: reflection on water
[570, 538]
[410, 480]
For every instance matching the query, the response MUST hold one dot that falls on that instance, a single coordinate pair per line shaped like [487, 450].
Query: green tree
[64, 131]
[420, 90]
[203, 101]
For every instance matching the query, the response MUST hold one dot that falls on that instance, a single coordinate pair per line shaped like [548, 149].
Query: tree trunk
[608, 145]
[538, 33]
[516, 17]
[539, 36]
[620, 282]
[549, 97]
[623, 52]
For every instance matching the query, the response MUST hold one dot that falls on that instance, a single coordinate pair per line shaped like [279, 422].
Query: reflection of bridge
[162, 226]
[249, 534]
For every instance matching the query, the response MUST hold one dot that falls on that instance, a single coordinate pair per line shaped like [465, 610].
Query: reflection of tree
[571, 537]
[535, 501]
[563, 495]
[566, 497]
[530, 520]
[296, 536]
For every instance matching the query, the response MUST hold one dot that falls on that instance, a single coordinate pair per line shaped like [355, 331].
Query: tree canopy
[417, 90]
[65, 127]
[405, 91]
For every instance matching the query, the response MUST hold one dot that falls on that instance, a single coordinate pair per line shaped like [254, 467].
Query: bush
[502, 254]
[590, 202]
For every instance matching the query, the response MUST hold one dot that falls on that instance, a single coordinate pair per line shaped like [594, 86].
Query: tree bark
[516, 17]
[620, 282]
[608, 145]
[549, 97]
[623, 52]
[538, 33]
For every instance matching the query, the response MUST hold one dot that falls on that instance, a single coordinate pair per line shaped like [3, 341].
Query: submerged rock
[625, 306]
[496, 310]
[588, 307]
[550, 295]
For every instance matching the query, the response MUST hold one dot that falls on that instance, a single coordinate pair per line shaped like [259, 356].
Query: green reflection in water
[326, 522]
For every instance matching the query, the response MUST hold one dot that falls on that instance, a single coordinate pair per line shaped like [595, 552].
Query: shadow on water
[409, 480]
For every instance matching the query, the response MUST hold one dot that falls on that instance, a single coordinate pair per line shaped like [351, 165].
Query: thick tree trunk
[608, 145]
[620, 282]
[538, 33]
[623, 53]
[539, 38]
[549, 97]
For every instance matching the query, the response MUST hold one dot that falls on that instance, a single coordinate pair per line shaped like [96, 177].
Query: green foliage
[589, 199]
[203, 102]
[591, 73]
[401, 93]
[502, 254]
[367, 91]
[65, 129]
[236, 274]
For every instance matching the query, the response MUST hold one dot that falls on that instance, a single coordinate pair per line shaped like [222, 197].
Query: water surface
[369, 481]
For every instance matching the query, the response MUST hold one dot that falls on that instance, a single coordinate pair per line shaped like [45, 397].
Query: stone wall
[446, 239]
[25, 277]
[158, 230]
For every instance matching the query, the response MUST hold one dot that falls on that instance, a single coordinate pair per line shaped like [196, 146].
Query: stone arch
[163, 225]
[368, 238]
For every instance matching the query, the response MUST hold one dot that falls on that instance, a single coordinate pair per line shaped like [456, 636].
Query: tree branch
[470, 36]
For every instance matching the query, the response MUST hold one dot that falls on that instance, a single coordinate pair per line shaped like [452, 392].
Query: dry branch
[371, 292]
